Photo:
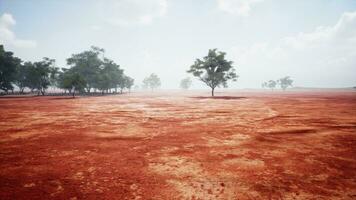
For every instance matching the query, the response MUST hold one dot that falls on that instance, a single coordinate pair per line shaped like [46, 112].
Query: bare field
[243, 145]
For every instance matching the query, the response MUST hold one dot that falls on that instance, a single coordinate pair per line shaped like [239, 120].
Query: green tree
[54, 76]
[22, 74]
[285, 82]
[110, 75]
[43, 70]
[129, 82]
[8, 66]
[186, 83]
[214, 70]
[152, 82]
[71, 81]
[88, 64]
[32, 76]
[64, 80]
[38, 75]
[125, 82]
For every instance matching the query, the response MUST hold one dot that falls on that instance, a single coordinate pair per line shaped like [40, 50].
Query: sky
[313, 41]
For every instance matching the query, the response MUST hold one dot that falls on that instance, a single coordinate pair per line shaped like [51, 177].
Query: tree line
[89, 71]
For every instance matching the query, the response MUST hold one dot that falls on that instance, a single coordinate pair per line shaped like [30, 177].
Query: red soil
[173, 146]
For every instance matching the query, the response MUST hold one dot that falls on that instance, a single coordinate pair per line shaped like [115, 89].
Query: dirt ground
[171, 145]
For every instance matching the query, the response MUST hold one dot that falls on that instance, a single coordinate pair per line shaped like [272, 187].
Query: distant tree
[271, 84]
[129, 82]
[88, 64]
[126, 82]
[38, 75]
[152, 82]
[78, 83]
[64, 80]
[214, 70]
[54, 76]
[98, 72]
[264, 85]
[43, 69]
[112, 73]
[71, 81]
[186, 83]
[32, 76]
[8, 66]
[285, 82]
[22, 76]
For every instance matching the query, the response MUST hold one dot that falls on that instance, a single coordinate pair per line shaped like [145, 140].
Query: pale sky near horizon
[313, 41]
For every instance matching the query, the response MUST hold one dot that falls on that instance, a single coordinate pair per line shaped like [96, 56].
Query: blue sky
[313, 41]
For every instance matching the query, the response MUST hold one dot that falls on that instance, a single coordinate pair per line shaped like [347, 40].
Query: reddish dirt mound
[170, 146]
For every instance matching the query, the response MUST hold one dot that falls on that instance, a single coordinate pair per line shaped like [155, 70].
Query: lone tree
[285, 82]
[214, 70]
[186, 83]
[152, 82]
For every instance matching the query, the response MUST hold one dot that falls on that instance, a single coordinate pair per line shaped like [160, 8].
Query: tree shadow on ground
[220, 97]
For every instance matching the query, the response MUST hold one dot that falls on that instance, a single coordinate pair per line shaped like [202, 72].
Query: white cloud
[8, 37]
[237, 7]
[325, 56]
[133, 12]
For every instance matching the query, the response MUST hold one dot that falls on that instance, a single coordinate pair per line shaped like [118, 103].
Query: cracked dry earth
[169, 145]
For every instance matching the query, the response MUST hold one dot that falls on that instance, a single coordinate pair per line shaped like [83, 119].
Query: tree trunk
[212, 91]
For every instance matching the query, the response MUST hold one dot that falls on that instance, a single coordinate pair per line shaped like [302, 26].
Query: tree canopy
[152, 82]
[88, 71]
[8, 66]
[285, 82]
[270, 84]
[214, 70]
